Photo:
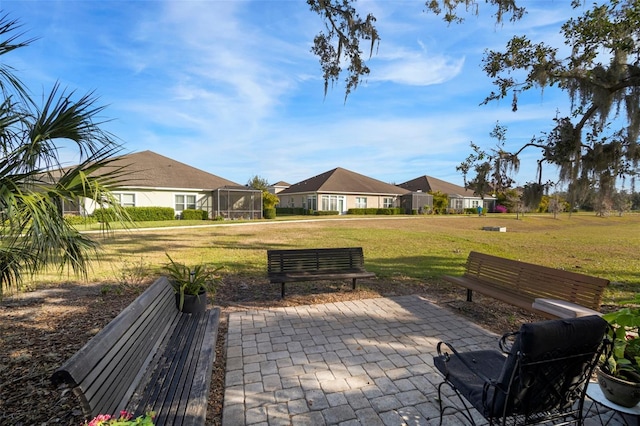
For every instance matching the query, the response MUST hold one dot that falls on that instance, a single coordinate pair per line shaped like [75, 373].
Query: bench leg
[354, 284]
[469, 295]
[282, 290]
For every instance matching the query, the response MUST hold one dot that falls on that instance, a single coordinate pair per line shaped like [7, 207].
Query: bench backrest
[105, 372]
[320, 259]
[537, 281]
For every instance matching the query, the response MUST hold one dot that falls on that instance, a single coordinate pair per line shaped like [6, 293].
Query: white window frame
[331, 202]
[312, 202]
[387, 202]
[361, 202]
[185, 203]
[122, 199]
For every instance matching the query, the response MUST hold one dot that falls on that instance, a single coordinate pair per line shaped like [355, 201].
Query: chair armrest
[469, 366]
[506, 341]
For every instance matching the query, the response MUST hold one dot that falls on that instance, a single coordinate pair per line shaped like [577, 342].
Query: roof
[431, 184]
[281, 184]
[340, 180]
[147, 169]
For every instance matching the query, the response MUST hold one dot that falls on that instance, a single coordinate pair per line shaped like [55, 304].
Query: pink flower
[99, 419]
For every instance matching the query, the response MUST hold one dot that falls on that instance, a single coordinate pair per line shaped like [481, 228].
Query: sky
[232, 88]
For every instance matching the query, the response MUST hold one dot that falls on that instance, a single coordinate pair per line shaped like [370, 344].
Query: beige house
[340, 190]
[278, 187]
[153, 180]
[459, 198]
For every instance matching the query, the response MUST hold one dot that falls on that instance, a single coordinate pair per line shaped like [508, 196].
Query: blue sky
[232, 88]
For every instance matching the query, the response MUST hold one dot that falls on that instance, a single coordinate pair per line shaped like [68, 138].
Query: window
[126, 200]
[312, 202]
[387, 202]
[332, 203]
[475, 203]
[361, 202]
[184, 202]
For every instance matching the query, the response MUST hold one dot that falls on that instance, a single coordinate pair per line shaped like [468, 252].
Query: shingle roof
[431, 184]
[343, 181]
[148, 169]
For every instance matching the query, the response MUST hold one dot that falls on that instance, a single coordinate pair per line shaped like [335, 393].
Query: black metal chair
[540, 375]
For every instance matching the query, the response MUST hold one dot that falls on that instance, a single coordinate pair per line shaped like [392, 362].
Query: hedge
[376, 211]
[137, 214]
[76, 219]
[288, 211]
[269, 213]
[193, 214]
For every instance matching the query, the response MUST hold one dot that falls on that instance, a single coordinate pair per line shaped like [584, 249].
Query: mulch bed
[39, 330]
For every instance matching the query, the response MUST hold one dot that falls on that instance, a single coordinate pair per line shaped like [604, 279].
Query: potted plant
[191, 284]
[619, 374]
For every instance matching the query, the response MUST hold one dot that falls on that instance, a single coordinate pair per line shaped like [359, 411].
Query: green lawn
[418, 247]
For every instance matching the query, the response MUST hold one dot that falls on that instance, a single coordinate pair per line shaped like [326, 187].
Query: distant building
[153, 180]
[340, 190]
[278, 187]
[459, 197]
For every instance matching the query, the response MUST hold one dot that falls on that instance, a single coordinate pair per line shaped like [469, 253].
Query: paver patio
[364, 362]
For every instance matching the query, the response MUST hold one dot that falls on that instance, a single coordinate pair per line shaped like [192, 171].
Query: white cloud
[417, 69]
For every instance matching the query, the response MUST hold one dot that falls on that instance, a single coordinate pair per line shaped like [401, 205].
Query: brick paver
[364, 362]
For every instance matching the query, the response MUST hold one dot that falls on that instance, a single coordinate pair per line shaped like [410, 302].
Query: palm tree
[33, 182]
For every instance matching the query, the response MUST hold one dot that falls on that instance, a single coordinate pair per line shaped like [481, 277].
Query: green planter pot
[618, 391]
[193, 303]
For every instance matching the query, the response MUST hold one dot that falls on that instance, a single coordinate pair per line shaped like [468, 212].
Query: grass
[417, 247]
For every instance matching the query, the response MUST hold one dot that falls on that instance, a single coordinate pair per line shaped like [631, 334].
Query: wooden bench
[316, 264]
[151, 357]
[548, 291]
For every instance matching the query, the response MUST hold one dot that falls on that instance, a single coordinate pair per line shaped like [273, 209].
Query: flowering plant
[125, 419]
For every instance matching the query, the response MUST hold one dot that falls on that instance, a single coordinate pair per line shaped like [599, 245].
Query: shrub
[137, 214]
[193, 214]
[269, 213]
[500, 209]
[327, 213]
[289, 211]
[76, 219]
[375, 211]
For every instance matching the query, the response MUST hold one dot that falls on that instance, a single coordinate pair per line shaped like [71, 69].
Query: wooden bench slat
[165, 370]
[122, 366]
[521, 283]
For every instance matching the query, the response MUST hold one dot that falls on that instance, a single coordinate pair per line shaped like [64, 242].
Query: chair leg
[466, 415]
[282, 291]
[354, 284]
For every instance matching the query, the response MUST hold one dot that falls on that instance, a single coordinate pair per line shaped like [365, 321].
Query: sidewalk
[366, 362]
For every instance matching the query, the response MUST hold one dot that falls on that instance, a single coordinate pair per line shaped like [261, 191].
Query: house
[459, 197]
[340, 190]
[278, 187]
[152, 180]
